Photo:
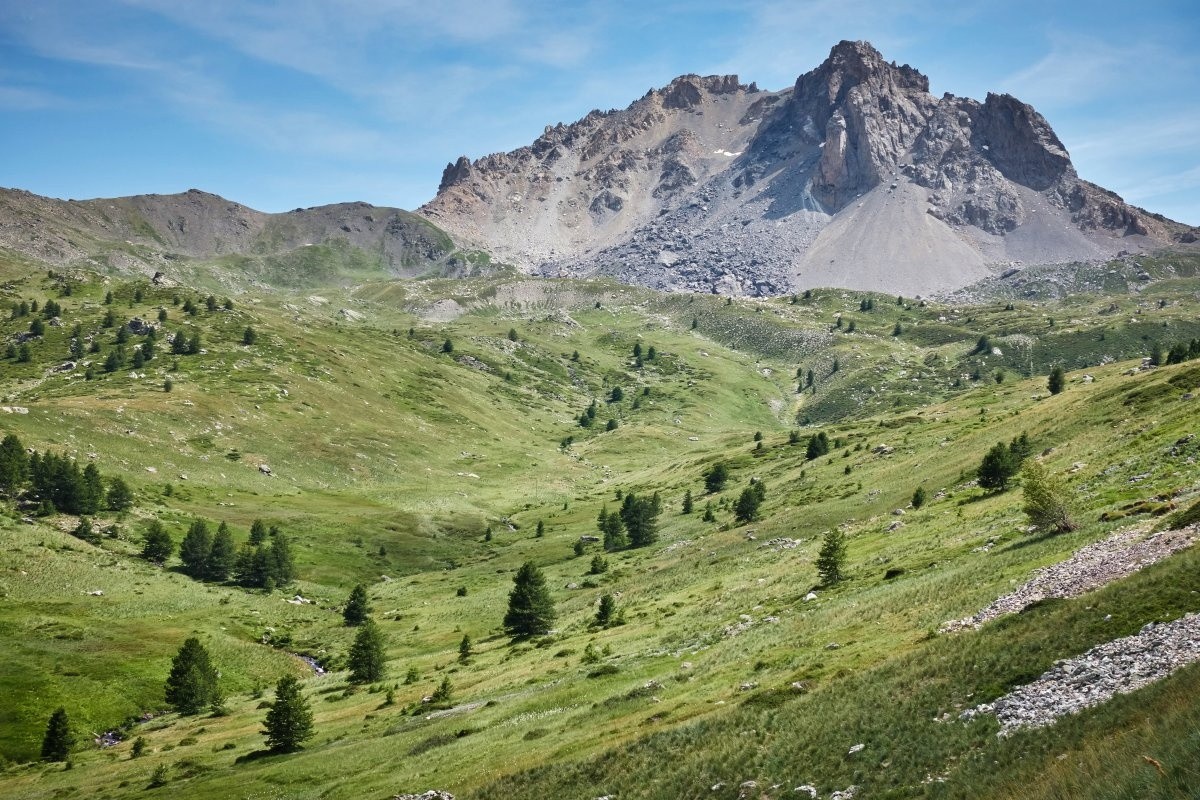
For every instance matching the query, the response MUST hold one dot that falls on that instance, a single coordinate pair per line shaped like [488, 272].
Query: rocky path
[1091, 567]
[1117, 667]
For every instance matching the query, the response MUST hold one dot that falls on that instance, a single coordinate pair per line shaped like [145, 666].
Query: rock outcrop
[855, 176]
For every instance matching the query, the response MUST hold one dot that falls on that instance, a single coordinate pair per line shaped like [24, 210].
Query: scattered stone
[808, 789]
[858, 748]
[1117, 667]
[432, 794]
[898, 512]
[810, 597]
[96, 593]
[781, 543]
[1091, 567]
[883, 450]
[264, 469]
[832, 646]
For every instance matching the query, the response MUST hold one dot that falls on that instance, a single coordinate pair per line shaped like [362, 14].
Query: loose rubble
[1091, 567]
[1117, 667]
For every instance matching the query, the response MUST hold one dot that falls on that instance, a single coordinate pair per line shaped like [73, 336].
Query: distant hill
[151, 233]
[856, 177]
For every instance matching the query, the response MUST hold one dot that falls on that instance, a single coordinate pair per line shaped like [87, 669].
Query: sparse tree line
[264, 560]
[123, 354]
[56, 483]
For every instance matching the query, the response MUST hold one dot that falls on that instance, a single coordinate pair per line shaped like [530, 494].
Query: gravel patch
[1091, 567]
[1117, 667]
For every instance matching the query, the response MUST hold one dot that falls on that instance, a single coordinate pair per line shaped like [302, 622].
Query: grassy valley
[412, 435]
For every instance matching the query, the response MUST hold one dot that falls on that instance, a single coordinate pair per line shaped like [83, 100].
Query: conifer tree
[192, 683]
[918, 498]
[358, 606]
[258, 532]
[119, 496]
[530, 607]
[606, 611]
[613, 530]
[746, 508]
[464, 649]
[832, 557]
[1057, 380]
[157, 545]
[195, 549]
[221, 556]
[366, 658]
[289, 721]
[716, 477]
[58, 741]
[688, 503]
[14, 465]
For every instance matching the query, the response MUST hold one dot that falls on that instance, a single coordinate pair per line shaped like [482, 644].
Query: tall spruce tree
[289, 722]
[358, 606]
[14, 465]
[192, 683]
[58, 741]
[222, 555]
[831, 558]
[530, 607]
[195, 549]
[366, 660]
[157, 545]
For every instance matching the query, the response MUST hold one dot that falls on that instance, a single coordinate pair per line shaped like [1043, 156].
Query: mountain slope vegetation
[426, 439]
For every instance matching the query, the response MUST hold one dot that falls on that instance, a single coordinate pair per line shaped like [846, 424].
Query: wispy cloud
[22, 98]
[1078, 70]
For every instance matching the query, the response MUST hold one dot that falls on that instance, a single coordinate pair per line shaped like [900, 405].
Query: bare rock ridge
[157, 232]
[856, 176]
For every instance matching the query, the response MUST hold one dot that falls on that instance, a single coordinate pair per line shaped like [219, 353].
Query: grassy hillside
[411, 435]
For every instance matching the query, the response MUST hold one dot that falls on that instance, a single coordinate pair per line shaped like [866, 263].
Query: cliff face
[856, 176]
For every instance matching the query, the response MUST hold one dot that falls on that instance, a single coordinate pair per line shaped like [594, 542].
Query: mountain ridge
[708, 184]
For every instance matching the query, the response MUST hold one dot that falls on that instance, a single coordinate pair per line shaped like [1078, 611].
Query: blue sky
[281, 104]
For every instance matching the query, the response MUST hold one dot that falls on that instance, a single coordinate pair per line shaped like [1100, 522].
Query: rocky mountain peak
[854, 176]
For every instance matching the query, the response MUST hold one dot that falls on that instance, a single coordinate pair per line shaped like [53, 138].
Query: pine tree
[613, 530]
[599, 565]
[119, 496]
[281, 569]
[157, 545]
[58, 741]
[464, 649]
[358, 606]
[640, 517]
[688, 503]
[195, 549]
[918, 498]
[366, 659]
[91, 492]
[1057, 380]
[708, 515]
[443, 695]
[818, 445]
[530, 607]
[746, 508]
[832, 557]
[222, 556]
[258, 532]
[14, 465]
[606, 611]
[716, 477]
[192, 682]
[289, 721]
